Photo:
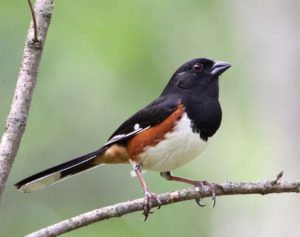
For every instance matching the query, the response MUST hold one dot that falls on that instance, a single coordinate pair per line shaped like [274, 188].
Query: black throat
[205, 115]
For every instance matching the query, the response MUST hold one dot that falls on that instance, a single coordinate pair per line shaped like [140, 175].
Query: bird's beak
[219, 67]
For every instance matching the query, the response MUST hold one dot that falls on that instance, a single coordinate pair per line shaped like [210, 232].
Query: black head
[199, 76]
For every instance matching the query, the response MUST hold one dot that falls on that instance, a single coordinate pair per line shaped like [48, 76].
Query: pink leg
[148, 196]
[197, 183]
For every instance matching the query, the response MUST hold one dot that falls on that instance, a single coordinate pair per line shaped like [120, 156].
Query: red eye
[198, 67]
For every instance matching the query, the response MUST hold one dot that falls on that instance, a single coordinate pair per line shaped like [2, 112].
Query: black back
[152, 114]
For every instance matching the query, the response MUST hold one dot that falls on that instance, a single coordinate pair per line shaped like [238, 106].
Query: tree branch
[120, 209]
[16, 120]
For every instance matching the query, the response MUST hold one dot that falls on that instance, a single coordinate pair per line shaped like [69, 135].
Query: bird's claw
[198, 201]
[212, 186]
[148, 203]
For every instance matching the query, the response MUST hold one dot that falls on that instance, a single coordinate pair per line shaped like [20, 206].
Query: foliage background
[104, 60]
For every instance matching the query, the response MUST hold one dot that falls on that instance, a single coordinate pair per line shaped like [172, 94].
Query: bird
[163, 136]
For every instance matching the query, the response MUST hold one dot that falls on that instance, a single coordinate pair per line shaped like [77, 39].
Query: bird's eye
[198, 67]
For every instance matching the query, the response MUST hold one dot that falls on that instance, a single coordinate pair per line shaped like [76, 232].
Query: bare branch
[120, 209]
[16, 120]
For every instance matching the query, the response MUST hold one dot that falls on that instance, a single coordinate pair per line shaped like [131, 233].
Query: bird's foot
[213, 187]
[148, 203]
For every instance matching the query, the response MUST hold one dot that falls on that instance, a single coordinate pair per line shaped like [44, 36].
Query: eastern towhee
[166, 134]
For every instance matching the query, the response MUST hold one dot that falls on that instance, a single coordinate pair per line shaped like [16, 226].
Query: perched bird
[164, 135]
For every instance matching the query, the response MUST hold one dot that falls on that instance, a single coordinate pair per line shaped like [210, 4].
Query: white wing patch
[136, 127]
[119, 137]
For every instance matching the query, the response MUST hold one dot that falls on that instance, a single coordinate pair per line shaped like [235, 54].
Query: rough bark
[17, 117]
[120, 209]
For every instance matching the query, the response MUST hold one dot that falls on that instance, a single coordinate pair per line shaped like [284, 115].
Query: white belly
[178, 148]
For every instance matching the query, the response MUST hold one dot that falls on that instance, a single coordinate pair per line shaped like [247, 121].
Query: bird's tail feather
[59, 172]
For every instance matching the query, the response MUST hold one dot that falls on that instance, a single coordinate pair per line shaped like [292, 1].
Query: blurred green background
[103, 60]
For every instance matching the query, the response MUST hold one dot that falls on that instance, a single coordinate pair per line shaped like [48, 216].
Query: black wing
[147, 117]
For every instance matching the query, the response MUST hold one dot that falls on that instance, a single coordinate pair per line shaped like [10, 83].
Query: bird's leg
[148, 196]
[197, 183]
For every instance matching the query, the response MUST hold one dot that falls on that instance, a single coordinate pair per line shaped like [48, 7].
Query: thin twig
[120, 209]
[35, 38]
[278, 177]
[17, 117]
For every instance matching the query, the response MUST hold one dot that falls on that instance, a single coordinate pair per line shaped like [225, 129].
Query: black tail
[59, 172]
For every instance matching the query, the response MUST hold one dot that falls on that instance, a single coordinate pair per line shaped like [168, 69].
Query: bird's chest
[179, 146]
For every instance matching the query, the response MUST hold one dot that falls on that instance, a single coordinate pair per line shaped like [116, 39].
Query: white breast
[179, 147]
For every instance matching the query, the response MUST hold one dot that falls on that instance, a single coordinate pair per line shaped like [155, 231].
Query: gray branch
[120, 209]
[17, 117]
